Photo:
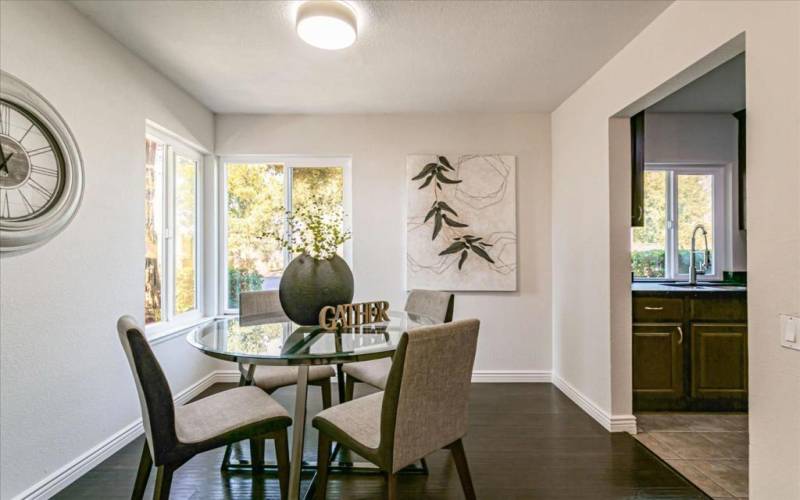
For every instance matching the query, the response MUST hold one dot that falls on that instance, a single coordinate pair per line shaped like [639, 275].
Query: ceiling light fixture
[327, 24]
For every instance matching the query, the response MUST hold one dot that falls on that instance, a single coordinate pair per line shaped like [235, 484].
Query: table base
[309, 468]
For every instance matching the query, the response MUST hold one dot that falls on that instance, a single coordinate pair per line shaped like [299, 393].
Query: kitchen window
[676, 200]
[256, 193]
[173, 218]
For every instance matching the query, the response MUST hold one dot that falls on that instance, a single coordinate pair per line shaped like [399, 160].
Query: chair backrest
[260, 303]
[432, 304]
[155, 397]
[426, 401]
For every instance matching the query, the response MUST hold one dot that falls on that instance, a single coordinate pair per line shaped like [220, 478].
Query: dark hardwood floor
[526, 441]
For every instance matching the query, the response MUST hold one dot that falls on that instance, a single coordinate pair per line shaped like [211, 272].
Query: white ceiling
[244, 56]
[721, 90]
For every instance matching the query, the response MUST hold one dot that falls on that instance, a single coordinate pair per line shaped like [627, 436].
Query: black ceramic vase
[308, 285]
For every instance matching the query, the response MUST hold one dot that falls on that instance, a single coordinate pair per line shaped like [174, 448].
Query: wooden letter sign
[348, 315]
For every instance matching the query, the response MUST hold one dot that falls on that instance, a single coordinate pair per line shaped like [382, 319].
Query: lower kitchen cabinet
[719, 361]
[657, 362]
[689, 352]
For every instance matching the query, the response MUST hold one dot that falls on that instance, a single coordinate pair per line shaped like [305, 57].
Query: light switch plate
[790, 331]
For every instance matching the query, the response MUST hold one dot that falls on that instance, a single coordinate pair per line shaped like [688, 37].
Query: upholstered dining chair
[271, 378]
[429, 303]
[424, 407]
[174, 435]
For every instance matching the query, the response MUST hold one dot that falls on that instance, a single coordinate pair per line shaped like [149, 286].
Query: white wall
[702, 138]
[515, 328]
[583, 266]
[64, 382]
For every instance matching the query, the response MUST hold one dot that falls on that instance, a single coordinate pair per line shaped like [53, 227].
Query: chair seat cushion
[373, 372]
[355, 424]
[242, 409]
[269, 378]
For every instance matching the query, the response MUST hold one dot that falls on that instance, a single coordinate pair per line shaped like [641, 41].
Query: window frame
[721, 242]
[290, 163]
[174, 145]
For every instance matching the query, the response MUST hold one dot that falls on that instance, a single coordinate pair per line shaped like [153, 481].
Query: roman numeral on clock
[39, 188]
[5, 119]
[50, 172]
[39, 151]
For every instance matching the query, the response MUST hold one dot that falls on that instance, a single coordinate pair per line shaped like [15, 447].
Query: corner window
[256, 194]
[676, 200]
[172, 223]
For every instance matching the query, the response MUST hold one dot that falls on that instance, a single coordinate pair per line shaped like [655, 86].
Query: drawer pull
[651, 308]
[680, 335]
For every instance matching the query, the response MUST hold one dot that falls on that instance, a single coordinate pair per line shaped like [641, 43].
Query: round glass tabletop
[270, 340]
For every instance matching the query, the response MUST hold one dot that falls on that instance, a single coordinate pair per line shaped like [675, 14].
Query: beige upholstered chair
[174, 435]
[265, 304]
[424, 407]
[429, 303]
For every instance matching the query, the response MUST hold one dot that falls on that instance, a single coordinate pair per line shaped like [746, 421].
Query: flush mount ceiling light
[327, 24]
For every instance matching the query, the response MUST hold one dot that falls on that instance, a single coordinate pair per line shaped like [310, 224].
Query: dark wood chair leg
[349, 388]
[325, 386]
[145, 464]
[391, 486]
[257, 454]
[460, 458]
[282, 456]
[163, 482]
[424, 464]
[323, 458]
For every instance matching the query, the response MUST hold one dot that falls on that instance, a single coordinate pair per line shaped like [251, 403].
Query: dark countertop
[650, 287]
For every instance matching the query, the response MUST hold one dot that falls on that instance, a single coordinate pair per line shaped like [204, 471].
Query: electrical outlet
[790, 331]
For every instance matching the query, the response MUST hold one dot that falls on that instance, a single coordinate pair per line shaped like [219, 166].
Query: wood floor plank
[525, 441]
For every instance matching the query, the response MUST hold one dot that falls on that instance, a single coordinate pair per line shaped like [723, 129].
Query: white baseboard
[69, 473]
[612, 423]
[511, 376]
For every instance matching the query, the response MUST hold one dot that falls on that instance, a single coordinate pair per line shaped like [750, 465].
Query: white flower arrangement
[313, 229]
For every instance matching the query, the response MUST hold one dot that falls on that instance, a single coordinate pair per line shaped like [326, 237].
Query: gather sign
[348, 315]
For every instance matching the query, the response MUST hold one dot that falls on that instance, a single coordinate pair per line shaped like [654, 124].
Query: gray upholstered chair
[174, 435]
[429, 303]
[265, 304]
[423, 409]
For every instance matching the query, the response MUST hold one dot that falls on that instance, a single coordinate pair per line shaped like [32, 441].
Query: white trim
[612, 423]
[70, 472]
[176, 329]
[511, 376]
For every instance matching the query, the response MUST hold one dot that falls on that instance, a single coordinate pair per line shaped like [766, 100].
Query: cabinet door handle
[651, 308]
[680, 335]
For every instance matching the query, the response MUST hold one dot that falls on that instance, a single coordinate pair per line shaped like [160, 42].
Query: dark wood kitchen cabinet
[719, 361]
[658, 361]
[690, 351]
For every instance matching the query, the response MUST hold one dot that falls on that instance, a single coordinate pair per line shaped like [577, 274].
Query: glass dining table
[275, 340]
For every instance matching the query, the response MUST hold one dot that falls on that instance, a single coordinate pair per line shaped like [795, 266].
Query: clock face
[32, 167]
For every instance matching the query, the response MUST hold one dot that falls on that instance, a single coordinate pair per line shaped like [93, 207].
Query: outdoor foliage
[648, 263]
[242, 280]
[256, 207]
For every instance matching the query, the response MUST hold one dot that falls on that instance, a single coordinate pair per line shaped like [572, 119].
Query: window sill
[163, 333]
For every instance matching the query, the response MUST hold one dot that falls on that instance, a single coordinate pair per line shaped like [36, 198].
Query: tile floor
[709, 449]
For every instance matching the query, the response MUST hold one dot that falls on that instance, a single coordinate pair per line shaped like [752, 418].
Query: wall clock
[41, 173]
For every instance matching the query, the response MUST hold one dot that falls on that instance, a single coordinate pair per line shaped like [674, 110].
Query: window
[172, 231]
[256, 194]
[676, 200]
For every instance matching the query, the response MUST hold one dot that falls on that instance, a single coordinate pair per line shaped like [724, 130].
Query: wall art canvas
[461, 222]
